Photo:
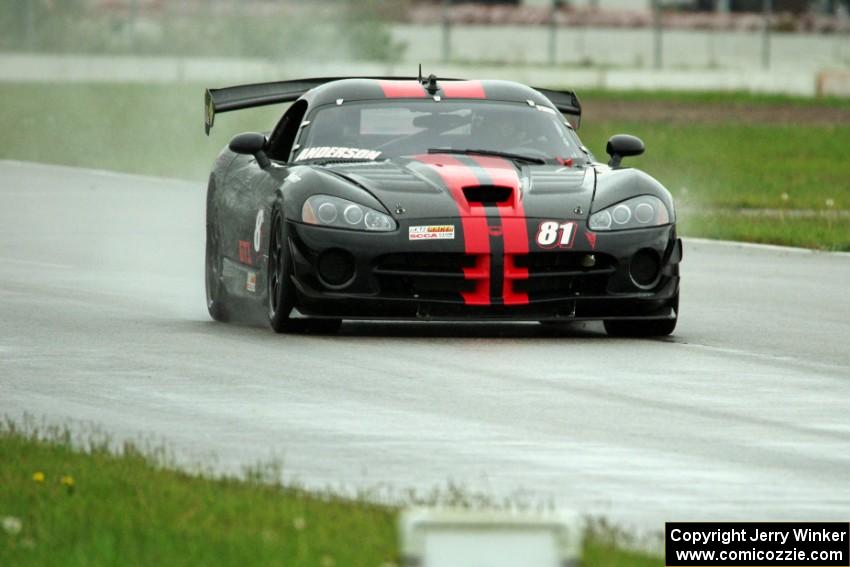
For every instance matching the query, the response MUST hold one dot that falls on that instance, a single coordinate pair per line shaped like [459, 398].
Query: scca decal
[337, 152]
[432, 232]
[555, 233]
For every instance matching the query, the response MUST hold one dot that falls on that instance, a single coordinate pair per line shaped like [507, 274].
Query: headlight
[339, 213]
[639, 212]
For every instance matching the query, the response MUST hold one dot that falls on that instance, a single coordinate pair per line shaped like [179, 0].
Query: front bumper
[394, 278]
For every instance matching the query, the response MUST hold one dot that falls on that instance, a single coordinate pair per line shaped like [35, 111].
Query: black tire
[217, 302]
[280, 290]
[644, 327]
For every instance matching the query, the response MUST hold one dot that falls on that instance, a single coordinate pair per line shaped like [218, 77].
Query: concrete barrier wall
[217, 71]
[619, 47]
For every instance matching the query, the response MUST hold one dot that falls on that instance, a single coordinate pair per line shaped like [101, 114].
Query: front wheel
[644, 327]
[280, 291]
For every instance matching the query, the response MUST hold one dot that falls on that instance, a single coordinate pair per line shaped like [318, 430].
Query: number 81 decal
[554, 233]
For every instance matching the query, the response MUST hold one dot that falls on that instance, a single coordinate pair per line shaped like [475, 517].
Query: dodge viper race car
[433, 199]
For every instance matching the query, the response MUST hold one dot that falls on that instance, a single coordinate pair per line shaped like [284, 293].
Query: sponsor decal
[336, 152]
[293, 178]
[258, 230]
[556, 233]
[251, 283]
[432, 232]
[245, 254]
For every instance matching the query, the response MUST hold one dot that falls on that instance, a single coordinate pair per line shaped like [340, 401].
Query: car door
[251, 193]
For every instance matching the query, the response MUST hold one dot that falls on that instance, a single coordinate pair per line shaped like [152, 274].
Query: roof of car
[361, 89]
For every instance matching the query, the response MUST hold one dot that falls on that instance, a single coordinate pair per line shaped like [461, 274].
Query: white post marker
[451, 537]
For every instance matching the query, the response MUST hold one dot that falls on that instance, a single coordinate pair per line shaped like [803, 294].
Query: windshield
[383, 129]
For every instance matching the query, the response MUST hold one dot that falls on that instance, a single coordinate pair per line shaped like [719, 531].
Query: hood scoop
[488, 194]
[387, 177]
[560, 181]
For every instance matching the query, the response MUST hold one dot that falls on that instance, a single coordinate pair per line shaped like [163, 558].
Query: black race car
[433, 199]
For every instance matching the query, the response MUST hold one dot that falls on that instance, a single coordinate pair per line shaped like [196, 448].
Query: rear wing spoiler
[566, 102]
[227, 99]
[217, 101]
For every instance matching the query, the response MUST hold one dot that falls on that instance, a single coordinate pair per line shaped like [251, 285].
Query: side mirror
[252, 144]
[623, 145]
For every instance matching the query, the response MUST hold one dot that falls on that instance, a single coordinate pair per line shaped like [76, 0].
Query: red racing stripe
[402, 89]
[514, 226]
[463, 89]
[473, 218]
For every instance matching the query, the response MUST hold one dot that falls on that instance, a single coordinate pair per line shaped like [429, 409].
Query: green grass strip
[65, 505]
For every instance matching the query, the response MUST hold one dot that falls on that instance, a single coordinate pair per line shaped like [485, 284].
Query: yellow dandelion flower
[38, 476]
[67, 480]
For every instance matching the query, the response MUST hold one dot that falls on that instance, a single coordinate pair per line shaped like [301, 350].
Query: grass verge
[61, 504]
[129, 509]
[741, 166]
[725, 98]
[157, 129]
[820, 233]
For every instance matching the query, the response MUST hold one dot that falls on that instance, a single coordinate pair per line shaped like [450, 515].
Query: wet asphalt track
[744, 414]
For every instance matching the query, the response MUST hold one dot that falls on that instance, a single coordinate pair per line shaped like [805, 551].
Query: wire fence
[655, 34]
[659, 19]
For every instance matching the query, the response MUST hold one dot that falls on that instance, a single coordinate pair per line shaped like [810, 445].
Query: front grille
[451, 276]
[434, 276]
[436, 262]
[553, 275]
[561, 261]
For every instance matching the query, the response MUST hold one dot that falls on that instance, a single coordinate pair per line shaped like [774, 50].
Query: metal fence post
[553, 30]
[447, 39]
[767, 12]
[29, 25]
[131, 24]
[657, 40]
